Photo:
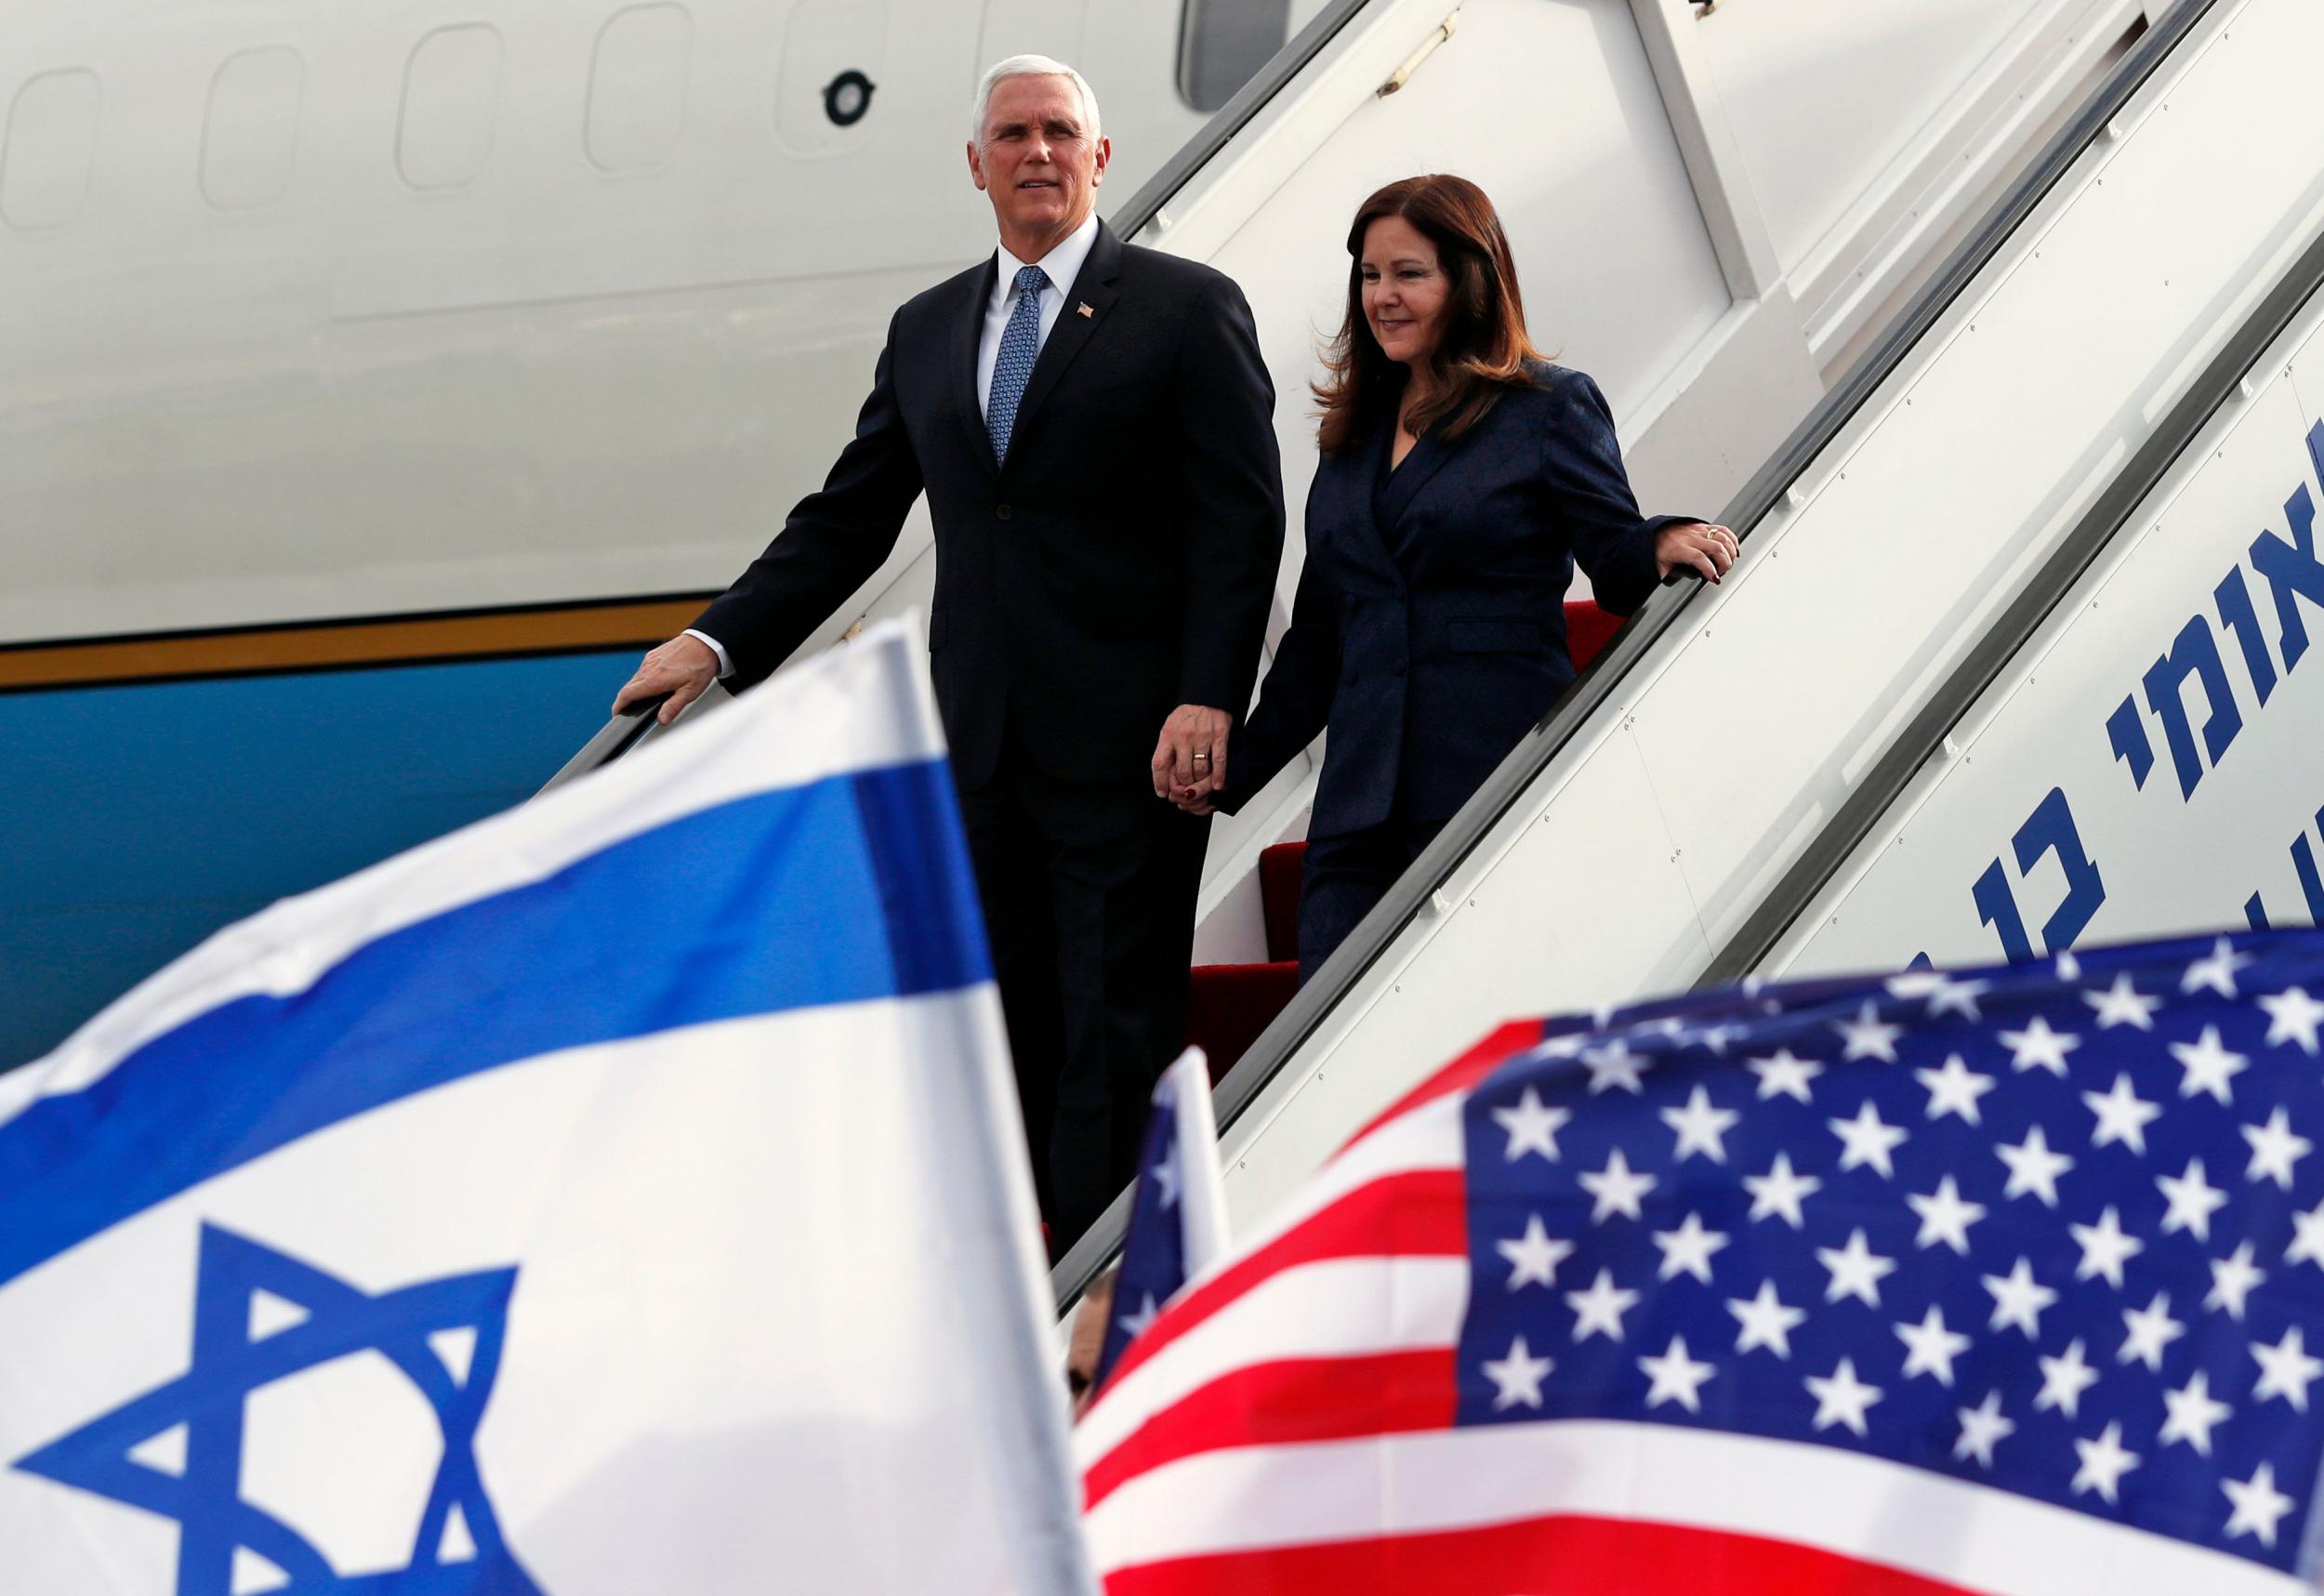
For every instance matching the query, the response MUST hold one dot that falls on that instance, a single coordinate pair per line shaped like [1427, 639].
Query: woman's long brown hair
[1484, 347]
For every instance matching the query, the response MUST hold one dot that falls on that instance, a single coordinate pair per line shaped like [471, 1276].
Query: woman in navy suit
[1463, 475]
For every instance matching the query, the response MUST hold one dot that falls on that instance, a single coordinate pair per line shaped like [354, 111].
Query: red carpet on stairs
[1229, 1005]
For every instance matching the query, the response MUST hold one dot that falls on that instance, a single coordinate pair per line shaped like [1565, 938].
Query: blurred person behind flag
[1178, 1224]
[2009, 1282]
[475, 1224]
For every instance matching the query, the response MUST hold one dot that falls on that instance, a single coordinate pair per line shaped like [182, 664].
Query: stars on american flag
[2039, 1048]
[2123, 1116]
[1701, 1128]
[2046, 1228]
[2293, 1016]
[1931, 1348]
[2019, 1301]
[1946, 1216]
[1786, 1074]
[1765, 1322]
[1598, 1312]
[1954, 1090]
[1620, 1190]
[2148, 1332]
[1531, 1127]
[2033, 1167]
[1518, 1375]
[2105, 1248]
[1841, 1398]
[1783, 1193]
[1534, 1257]
[1983, 1428]
[1869, 1037]
[2210, 1067]
[1865, 1141]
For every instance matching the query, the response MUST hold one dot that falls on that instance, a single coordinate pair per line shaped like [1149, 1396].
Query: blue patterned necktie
[1019, 343]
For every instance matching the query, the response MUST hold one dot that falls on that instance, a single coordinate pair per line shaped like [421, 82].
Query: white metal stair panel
[2110, 857]
[1689, 793]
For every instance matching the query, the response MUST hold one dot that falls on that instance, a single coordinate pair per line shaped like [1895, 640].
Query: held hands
[684, 667]
[1693, 545]
[1189, 763]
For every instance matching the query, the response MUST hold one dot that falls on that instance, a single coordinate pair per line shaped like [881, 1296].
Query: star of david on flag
[1177, 1210]
[444, 1336]
[521, 1216]
[2007, 1281]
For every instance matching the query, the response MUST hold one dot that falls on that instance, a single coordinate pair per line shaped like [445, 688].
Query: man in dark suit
[1092, 425]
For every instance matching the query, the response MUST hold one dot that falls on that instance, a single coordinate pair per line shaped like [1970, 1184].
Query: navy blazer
[1118, 563]
[1429, 631]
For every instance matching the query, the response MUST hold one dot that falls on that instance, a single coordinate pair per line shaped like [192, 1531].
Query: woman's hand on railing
[1694, 545]
[682, 668]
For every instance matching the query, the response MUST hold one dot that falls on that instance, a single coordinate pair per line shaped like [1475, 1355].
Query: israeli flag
[622, 1195]
[1178, 1221]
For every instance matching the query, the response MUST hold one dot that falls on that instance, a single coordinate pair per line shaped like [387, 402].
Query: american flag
[2009, 1281]
[1177, 1210]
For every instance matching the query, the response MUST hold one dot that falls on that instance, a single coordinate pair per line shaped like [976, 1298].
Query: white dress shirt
[1063, 264]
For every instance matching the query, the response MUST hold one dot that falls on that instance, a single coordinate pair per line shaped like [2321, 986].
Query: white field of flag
[622, 1194]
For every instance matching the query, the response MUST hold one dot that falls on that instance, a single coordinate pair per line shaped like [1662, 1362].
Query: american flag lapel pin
[1084, 308]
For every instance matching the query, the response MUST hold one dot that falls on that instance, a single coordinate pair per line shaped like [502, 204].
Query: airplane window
[1221, 43]
[251, 131]
[51, 149]
[451, 98]
[828, 98]
[638, 87]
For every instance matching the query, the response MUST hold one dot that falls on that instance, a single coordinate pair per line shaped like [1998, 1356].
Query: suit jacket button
[1002, 511]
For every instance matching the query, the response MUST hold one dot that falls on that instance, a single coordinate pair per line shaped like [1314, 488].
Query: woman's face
[1405, 290]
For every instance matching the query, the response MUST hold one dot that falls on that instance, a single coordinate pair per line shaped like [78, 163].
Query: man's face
[1084, 1343]
[1036, 158]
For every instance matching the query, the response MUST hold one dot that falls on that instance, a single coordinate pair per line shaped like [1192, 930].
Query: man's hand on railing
[684, 667]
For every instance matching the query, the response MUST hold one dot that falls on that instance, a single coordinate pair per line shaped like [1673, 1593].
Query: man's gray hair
[1028, 66]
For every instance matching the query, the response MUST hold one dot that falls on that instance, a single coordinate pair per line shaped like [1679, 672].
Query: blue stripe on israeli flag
[515, 975]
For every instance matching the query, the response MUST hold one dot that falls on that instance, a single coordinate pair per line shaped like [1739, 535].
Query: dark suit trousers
[1088, 891]
[1345, 878]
